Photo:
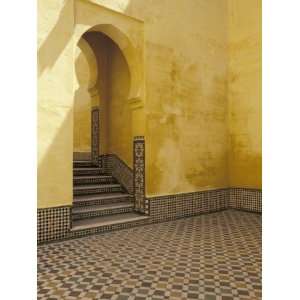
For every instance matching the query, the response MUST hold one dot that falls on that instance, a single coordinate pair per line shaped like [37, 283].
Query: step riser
[83, 181]
[97, 191]
[101, 201]
[83, 165]
[107, 228]
[87, 172]
[114, 211]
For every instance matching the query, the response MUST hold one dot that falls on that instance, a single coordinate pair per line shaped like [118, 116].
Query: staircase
[100, 203]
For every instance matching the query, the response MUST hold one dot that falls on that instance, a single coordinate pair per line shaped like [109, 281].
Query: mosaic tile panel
[171, 207]
[121, 172]
[246, 199]
[141, 203]
[208, 257]
[53, 223]
[95, 134]
[113, 165]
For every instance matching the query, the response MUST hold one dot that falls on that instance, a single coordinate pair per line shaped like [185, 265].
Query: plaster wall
[201, 63]
[55, 102]
[244, 93]
[120, 122]
[186, 94]
[99, 44]
[85, 68]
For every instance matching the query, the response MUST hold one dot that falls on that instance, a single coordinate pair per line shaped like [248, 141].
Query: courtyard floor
[210, 257]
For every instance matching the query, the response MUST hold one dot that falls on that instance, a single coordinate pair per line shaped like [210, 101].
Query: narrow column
[95, 135]
[139, 174]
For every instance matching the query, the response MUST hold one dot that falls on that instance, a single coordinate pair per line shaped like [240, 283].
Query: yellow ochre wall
[186, 73]
[83, 101]
[113, 88]
[119, 126]
[55, 102]
[244, 93]
[201, 62]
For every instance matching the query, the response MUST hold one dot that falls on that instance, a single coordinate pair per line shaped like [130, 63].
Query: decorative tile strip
[95, 135]
[53, 223]
[246, 199]
[165, 208]
[114, 166]
[82, 156]
[141, 205]
[121, 172]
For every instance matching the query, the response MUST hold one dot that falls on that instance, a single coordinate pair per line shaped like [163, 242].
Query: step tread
[107, 220]
[91, 208]
[86, 168]
[95, 186]
[91, 176]
[79, 198]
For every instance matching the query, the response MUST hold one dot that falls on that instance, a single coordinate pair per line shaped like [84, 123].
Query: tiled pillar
[95, 135]
[141, 204]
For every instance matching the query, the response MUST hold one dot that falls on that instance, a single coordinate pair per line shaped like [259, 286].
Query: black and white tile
[208, 257]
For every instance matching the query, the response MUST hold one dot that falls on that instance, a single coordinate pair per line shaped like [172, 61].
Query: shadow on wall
[57, 39]
[55, 141]
[54, 188]
[56, 144]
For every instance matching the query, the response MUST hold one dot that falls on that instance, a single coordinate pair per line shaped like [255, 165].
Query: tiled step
[78, 180]
[87, 171]
[82, 163]
[83, 212]
[86, 200]
[96, 189]
[106, 223]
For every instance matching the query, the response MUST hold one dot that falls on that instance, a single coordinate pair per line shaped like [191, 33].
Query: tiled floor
[212, 257]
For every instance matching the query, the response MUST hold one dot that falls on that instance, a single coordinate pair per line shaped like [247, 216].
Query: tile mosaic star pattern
[210, 257]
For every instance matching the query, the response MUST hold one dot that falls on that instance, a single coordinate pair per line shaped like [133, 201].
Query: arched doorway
[102, 113]
[103, 119]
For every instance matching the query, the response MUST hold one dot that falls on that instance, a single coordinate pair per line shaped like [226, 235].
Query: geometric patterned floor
[210, 257]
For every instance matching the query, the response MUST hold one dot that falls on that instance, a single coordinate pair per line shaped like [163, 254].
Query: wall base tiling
[53, 223]
[113, 165]
[165, 208]
[245, 199]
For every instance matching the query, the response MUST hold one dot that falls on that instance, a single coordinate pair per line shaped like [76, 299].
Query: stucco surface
[185, 74]
[55, 102]
[244, 93]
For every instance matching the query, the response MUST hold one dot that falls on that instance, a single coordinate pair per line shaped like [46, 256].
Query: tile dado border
[170, 207]
[55, 223]
[113, 165]
[245, 199]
